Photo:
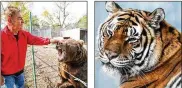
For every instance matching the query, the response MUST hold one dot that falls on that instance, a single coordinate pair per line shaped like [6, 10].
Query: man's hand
[56, 40]
[2, 80]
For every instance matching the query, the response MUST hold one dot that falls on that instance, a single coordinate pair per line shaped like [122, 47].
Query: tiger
[141, 47]
[72, 57]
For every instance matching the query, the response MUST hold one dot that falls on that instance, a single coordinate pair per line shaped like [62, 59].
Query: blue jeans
[12, 81]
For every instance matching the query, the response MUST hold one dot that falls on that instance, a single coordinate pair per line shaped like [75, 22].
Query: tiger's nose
[111, 54]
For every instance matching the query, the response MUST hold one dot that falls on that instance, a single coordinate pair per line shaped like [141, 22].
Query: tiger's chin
[111, 70]
[115, 62]
[115, 72]
[116, 68]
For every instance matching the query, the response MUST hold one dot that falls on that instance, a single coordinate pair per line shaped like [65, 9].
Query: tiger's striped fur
[141, 46]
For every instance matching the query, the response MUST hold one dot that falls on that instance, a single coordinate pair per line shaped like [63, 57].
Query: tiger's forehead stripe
[103, 25]
[116, 15]
[133, 17]
[123, 15]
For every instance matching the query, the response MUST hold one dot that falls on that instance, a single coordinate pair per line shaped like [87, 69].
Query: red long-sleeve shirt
[13, 52]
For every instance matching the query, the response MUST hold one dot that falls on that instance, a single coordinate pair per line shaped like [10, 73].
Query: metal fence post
[33, 58]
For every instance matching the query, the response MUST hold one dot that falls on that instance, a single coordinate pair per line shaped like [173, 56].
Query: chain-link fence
[46, 65]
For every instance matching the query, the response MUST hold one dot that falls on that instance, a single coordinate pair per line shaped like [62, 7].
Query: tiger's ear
[156, 17]
[112, 7]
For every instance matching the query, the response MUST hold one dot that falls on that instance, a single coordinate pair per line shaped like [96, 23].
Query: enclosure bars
[33, 59]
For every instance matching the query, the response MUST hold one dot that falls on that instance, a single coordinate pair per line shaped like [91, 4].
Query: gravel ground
[46, 65]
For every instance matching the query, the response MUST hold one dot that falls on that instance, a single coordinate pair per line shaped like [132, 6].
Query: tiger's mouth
[117, 62]
[120, 64]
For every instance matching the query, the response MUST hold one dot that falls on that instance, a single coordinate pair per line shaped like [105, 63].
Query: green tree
[49, 20]
[82, 23]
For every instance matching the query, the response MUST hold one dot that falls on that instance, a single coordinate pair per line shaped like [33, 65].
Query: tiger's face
[70, 50]
[129, 39]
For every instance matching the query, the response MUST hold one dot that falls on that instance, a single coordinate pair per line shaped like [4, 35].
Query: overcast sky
[76, 9]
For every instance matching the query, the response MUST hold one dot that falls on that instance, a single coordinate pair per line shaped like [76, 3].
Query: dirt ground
[46, 67]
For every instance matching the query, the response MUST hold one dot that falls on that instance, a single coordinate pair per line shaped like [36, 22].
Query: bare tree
[62, 13]
[2, 7]
[59, 17]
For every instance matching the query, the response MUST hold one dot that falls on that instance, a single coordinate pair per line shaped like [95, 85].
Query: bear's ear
[156, 17]
[81, 42]
[112, 7]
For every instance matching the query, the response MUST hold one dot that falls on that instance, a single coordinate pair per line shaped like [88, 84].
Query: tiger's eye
[136, 43]
[125, 30]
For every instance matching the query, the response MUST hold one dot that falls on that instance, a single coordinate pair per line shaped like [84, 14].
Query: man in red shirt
[14, 42]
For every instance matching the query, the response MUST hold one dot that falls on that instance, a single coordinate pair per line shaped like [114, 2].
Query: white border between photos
[91, 44]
